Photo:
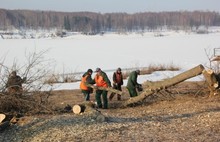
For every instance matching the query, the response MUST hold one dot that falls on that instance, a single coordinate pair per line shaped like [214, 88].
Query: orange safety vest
[100, 81]
[83, 83]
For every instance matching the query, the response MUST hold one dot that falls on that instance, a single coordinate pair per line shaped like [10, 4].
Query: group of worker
[14, 85]
[102, 80]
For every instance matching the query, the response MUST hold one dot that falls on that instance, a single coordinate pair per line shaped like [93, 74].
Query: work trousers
[101, 94]
[132, 92]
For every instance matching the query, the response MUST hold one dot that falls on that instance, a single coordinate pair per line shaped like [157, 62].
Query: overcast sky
[108, 6]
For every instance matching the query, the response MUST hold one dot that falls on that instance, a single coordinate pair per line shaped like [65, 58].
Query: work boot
[99, 106]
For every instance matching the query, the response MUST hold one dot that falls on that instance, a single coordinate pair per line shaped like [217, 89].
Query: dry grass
[74, 77]
[64, 78]
[152, 68]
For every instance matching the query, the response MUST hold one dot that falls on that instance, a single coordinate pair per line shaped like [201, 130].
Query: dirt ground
[186, 113]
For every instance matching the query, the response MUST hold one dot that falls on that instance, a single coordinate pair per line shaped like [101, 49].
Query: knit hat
[90, 70]
[97, 70]
[138, 72]
[119, 69]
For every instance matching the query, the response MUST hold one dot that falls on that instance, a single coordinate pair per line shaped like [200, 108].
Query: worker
[132, 83]
[117, 83]
[101, 80]
[14, 83]
[87, 79]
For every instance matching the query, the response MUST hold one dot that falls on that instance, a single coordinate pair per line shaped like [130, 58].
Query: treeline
[90, 22]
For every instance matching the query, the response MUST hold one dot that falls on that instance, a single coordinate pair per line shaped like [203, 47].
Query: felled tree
[164, 84]
[158, 86]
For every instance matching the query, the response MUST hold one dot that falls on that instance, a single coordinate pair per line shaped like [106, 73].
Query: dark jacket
[86, 79]
[118, 78]
[89, 79]
[132, 80]
[15, 81]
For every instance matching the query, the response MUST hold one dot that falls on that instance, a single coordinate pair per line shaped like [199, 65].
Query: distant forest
[90, 22]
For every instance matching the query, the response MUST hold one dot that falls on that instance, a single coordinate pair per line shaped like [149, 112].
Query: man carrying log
[87, 79]
[102, 80]
[117, 83]
[132, 84]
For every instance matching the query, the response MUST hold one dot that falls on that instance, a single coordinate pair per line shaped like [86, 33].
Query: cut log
[88, 110]
[77, 109]
[212, 81]
[164, 84]
[85, 106]
[106, 89]
[2, 117]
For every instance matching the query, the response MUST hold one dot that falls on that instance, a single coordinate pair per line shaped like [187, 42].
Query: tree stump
[212, 81]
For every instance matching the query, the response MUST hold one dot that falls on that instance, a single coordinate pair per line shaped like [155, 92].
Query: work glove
[139, 87]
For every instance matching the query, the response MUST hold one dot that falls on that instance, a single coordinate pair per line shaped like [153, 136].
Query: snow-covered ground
[77, 53]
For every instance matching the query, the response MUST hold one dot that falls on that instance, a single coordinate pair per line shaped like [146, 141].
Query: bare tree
[214, 59]
[96, 22]
[33, 98]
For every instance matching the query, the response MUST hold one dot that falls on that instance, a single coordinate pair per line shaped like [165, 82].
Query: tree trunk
[106, 89]
[211, 80]
[164, 84]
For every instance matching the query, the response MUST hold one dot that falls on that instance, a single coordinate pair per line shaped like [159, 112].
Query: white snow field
[77, 53]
